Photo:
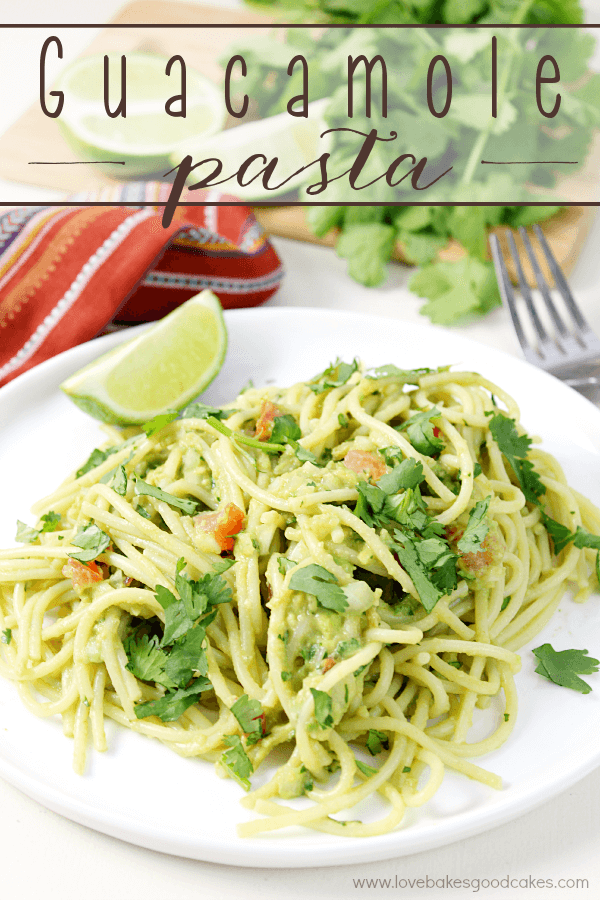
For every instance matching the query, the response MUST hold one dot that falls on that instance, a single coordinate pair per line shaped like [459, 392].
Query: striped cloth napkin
[66, 272]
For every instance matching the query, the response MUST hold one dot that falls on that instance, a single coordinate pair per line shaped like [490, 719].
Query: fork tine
[526, 292]
[507, 293]
[543, 285]
[560, 281]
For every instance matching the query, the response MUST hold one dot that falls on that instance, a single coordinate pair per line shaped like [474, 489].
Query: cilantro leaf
[337, 374]
[236, 760]
[145, 659]
[583, 538]
[174, 703]
[95, 459]
[93, 542]
[515, 448]
[420, 432]
[159, 421]
[186, 657]
[284, 428]
[377, 741]
[284, 564]
[430, 564]
[26, 534]
[51, 521]
[6, 636]
[560, 534]
[188, 507]
[250, 716]
[287, 431]
[119, 481]
[316, 580]
[323, 708]
[407, 475]
[177, 622]
[405, 376]
[365, 769]
[563, 667]
[201, 411]
[477, 528]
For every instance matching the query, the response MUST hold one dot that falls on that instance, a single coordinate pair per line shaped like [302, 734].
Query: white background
[43, 855]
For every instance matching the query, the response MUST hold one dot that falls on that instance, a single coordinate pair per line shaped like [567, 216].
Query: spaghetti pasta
[344, 569]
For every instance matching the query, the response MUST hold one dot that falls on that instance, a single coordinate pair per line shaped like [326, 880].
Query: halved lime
[164, 368]
[294, 141]
[147, 135]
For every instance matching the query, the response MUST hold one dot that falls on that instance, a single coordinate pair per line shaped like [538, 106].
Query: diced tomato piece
[365, 463]
[83, 575]
[491, 552]
[264, 423]
[436, 432]
[222, 524]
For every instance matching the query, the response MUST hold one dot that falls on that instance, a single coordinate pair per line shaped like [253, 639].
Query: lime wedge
[294, 141]
[147, 135]
[164, 368]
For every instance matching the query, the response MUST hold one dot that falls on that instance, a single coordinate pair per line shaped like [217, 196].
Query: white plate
[142, 792]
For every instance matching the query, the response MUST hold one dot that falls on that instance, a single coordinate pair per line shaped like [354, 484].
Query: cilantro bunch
[367, 235]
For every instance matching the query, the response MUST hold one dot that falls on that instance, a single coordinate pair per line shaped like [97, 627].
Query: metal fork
[572, 351]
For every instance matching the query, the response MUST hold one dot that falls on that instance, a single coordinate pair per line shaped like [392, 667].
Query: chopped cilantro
[430, 564]
[406, 769]
[51, 521]
[284, 428]
[145, 659]
[477, 470]
[284, 564]
[377, 741]
[93, 542]
[250, 716]
[7, 636]
[506, 717]
[188, 507]
[236, 760]
[174, 703]
[285, 676]
[421, 434]
[337, 374]
[505, 603]
[95, 459]
[477, 528]
[26, 534]
[221, 565]
[316, 580]
[287, 431]
[323, 708]
[201, 411]
[159, 422]
[455, 663]
[365, 769]
[406, 376]
[343, 420]
[515, 448]
[347, 648]
[119, 481]
[563, 667]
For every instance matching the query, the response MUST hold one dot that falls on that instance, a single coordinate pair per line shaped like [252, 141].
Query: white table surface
[45, 856]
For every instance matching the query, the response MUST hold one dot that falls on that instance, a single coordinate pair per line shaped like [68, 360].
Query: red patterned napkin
[66, 272]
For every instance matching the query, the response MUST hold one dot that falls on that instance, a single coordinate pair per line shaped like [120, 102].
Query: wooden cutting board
[36, 137]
